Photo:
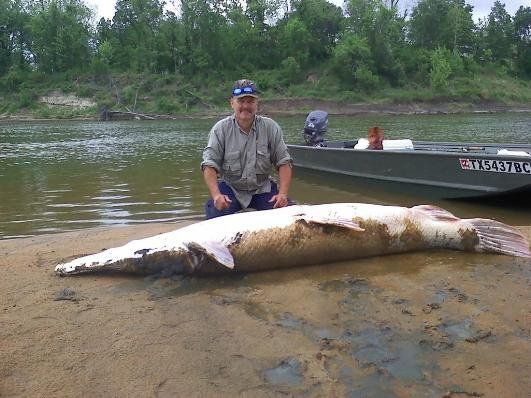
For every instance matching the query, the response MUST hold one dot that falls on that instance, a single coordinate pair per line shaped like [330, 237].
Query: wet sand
[430, 324]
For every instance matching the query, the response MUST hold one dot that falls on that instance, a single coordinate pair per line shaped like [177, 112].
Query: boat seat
[397, 144]
[393, 145]
[363, 143]
[512, 152]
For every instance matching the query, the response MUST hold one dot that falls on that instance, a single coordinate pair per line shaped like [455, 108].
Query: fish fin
[334, 220]
[496, 237]
[215, 250]
[435, 213]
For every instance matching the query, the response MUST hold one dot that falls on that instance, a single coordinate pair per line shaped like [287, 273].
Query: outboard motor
[315, 128]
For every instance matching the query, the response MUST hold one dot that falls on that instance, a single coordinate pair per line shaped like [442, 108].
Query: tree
[13, 35]
[351, 59]
[135, 26]
[260, 11]
[205, 32]
[442, 23]
[170, 44]
[522, 37]
[361, 16]
[296, 41]
[385, 34]
[60, 33]
[461, 28]
[440, 68]
[499, 32]
[323, 22]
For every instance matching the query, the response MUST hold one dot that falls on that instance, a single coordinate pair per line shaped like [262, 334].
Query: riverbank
[292, 107]
[423, 324]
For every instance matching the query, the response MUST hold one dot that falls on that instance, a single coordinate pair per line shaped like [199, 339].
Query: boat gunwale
[474, 149]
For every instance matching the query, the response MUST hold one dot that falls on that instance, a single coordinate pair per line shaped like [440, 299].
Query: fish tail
[496, 237]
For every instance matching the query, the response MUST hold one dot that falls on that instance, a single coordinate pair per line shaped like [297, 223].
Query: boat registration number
[499, 166]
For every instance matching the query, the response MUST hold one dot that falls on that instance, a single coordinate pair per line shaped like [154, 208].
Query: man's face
[245, 108]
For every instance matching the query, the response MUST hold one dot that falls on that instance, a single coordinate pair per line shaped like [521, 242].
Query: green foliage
[290, 70]
[322, 21]
[499, 32]
[130, 94]
[350, 54]
[442, 23]
[13, 34]
[133, 35]
[522, 35]
[99, 68]
[271, 80]
[152, 60]
[365, 79]
[296, 41]
[85, 91]
[25, 99]
[60, 35]
[168, 105]
[12, 80]
[441, 69]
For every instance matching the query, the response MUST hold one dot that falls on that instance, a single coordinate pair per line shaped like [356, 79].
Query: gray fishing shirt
[245, 161]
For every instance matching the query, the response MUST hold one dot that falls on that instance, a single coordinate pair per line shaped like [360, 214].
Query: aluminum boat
[443, 169]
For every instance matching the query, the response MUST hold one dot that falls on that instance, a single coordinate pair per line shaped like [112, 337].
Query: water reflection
[63, 175]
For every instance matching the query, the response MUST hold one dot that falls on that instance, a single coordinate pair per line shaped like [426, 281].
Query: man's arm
[284, 176]
[210, 175]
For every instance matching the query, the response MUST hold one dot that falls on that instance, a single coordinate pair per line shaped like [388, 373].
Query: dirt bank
[288, 106]
[297, 106]
[428, 324]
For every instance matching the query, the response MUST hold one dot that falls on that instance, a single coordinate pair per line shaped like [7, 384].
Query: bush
[84, 91]
[167, 105]
[440, 69]
[291, 71]
[26, 99]
[457, 66]
[129, 94]
[270, 80]
[13, 79]
[99, 68]
[349, 55]
[365, 79]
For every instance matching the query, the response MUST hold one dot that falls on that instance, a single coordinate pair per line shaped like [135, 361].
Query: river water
[65, 175]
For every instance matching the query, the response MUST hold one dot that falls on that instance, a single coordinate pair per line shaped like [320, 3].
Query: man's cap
[243, 88]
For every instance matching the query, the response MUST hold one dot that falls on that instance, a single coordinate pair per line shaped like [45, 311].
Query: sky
[105, 8]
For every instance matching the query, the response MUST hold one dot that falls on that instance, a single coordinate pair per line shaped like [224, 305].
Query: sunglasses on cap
[243, 90]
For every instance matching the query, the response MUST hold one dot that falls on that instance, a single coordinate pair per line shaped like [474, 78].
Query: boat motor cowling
[315, 128]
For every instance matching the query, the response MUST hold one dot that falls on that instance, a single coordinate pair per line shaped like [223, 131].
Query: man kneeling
[243, 149]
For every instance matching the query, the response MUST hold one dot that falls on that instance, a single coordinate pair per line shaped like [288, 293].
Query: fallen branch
[121, 115]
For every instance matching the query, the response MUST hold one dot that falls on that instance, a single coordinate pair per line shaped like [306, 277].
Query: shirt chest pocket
[263, 160]
[231, 163]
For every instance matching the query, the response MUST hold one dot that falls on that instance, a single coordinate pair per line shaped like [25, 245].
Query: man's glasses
[244, 90]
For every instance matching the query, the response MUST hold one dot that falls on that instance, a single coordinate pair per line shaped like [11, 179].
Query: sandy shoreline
[422, 324]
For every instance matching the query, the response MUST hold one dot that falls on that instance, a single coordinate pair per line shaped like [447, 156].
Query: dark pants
[259, 201]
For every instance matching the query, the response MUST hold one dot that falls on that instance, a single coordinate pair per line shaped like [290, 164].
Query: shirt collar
[253, 127]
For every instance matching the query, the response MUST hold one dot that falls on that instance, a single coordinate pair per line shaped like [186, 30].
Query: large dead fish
[302, 235]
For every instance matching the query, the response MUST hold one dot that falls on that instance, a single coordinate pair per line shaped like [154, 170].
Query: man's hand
[280, 199]
[221, 202]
